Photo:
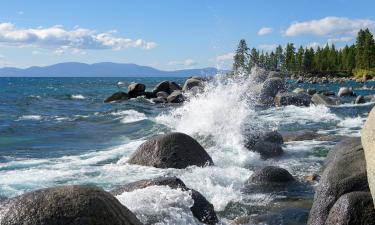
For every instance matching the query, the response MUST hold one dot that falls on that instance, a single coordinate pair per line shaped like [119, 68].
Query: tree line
[357, 59]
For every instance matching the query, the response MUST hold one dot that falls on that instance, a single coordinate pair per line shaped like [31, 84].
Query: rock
[319, 99]
[268, 144]
[344, 172]
[172, 150]
[148, 94]
[117, 97]
[360, 100]
[176, 97]
[167, 87]
[368, 142]
[352, 209]
[192, 82]
[162, 94]
[299, 90]
[290, 98]
[270, 174]
[273, 74]
[312, 177]
[202, 209]
[260, 75]
[68, 205]
[136, 89]
[327, 93]
[300, 135]
[345, 91]
[159, 100]
[311, 91]
[269, 90]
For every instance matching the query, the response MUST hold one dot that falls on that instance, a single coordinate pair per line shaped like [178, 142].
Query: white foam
[78, 97]
[129, 116]
[349, 122]
[30, 117]
[160, 205]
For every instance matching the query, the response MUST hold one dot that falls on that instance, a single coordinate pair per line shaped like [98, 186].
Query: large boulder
[117, 97]
[269, 90]
[354, 208]
[269, 175]
[202, 209]
[267, 144]
[172, 150]
[192, 82]
[291, 98]
[345, 91]
[320, 99]
[167, 86]
[176, 97]
[344, 172]
[68, 205]
[368, 142]
[136, 89]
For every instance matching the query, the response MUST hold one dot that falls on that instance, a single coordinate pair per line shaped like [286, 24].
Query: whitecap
[30, 117]
[349, 122]
[78, 97]
[130, 116]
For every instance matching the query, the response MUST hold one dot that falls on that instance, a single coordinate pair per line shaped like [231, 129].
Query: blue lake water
[56, 131]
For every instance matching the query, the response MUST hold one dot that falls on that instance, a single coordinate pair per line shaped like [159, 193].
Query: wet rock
[202, 209]
[326, 93]
[290, 98]
[368, 141]
[312, 177]
[268, 144]
[260, 75]
[344, 172]
[300, 135]
[345, 91]
[192, 82]
[176, 97]
[136, 89]
[273, 74]
[117, 97]
[269, 90]
[172, 150]
[68, 205]
[352, 209]
[360, 100]
[162, 94]
[269, 175]
[167, 87]
[148, 94]
[299, 90]
[319, 99]
[159, 100]
[311, 91]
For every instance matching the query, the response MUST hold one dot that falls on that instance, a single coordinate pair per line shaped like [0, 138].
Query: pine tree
[254, 58]
[299, 59]
[241, 56]
[279, 57]
[290, 57]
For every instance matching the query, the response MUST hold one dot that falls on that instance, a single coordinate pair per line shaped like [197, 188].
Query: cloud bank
[56, 37]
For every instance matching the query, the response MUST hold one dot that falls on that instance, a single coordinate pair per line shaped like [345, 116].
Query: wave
[78, 97]
[129, 116]
[30, 117]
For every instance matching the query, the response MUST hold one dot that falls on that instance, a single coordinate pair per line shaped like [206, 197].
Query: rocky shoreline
[343, 195]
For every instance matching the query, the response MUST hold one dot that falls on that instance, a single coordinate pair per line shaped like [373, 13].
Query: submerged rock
[311, 91]
[291, 98]
[269, 175]
[172, 150]
[176, 97]
[345, 172]
[319, 99]
[202, 209]
[117, 97]
[68, 205]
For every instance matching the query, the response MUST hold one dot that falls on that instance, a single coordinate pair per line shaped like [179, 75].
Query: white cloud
[268, 47]
[56, 37]
[314, 45]
[186, 63]
[265, 31]
[342, 39]
[225, 57]
[330, 26]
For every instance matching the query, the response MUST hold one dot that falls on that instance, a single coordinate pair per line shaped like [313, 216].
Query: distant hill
[105, 69]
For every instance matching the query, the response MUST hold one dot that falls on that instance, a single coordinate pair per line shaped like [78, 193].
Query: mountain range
[104, 69]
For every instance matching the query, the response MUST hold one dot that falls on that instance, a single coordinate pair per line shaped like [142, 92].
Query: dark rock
[326, 93]
[273, 74]
[344, 172]
[176, 97]
[68, 205]
[192, 82]
[202, 209]
[167, 86]
[311, 91]
[291, 98]
[117, 97]
[360, 100]
[354, 208]
[149, 95]
[300, 135]
[172, 150]
[270, 174]
[319, 99]
[136, 89]
[159, 100]
[267, 144]
[269, 90]
[299, 90]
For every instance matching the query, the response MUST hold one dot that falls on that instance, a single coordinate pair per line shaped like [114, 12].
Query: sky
[170, 34]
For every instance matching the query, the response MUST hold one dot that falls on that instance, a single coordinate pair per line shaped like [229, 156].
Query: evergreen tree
[241, 56]
[290, 57]
[308, 60]
[299, 59]
[279, 57]
[254, 58]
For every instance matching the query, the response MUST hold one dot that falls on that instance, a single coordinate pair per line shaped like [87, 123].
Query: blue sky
[169, 34]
